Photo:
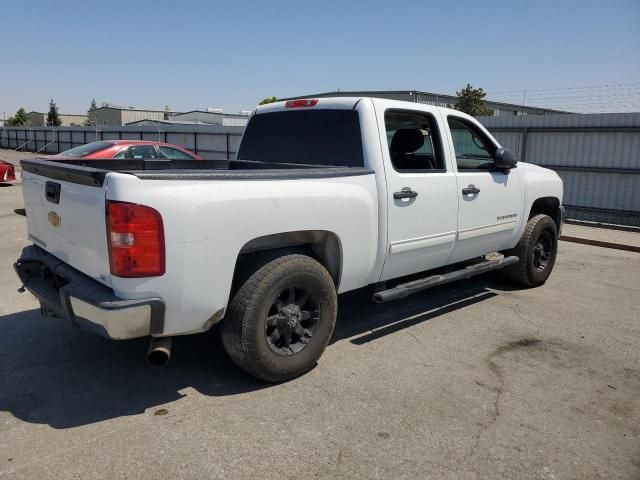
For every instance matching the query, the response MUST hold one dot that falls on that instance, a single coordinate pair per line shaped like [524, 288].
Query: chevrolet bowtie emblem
[54, 219]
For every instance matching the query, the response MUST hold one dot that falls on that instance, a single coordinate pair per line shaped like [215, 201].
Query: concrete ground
[474, 380]
[604, 235]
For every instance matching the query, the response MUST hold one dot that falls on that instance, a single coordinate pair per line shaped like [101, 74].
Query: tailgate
[65, 208]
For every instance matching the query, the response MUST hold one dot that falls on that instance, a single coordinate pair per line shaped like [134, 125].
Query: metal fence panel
[64, 136]
[597, 156]
[578, 120]
[126, 135]
[110, 136]
[77, 138]
[213, 143]
[597, 190]
[152, 136]
[234, 143]
[510, 140]
[210, 141]
[584, 149]
[184, 139]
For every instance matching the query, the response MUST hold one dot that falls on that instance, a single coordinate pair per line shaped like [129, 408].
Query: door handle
[471, 190]
[52, 192]
[406, 192]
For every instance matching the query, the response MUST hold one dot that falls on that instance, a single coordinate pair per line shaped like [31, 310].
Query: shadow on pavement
[53, 373]
[365, 320]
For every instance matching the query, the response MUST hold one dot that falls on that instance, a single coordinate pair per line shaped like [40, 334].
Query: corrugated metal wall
[597, 156]
[209, 141]
[128, 116]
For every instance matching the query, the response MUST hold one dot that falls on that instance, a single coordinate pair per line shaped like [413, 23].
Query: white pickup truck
[325, 196]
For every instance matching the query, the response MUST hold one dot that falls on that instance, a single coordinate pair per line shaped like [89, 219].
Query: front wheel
[281, 319]
[536, 250]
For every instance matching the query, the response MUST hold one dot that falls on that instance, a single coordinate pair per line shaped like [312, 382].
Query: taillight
[136, 240]
[9, 174]
[302, 102]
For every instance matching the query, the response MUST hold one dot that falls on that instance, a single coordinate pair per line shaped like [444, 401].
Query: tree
[20, 119]
[268, 100]
[53, 118]
[92, 108]
[472, 101]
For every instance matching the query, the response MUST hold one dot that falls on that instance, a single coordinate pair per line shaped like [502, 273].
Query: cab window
[414, 142]
[474, 151]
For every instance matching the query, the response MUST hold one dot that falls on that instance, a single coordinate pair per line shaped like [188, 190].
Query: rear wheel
[536, 250]
[281, 319]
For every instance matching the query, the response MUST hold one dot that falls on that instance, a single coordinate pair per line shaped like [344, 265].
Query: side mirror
[504, 159]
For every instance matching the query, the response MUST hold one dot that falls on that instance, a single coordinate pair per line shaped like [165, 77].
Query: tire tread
[237, 328]
[520, 272]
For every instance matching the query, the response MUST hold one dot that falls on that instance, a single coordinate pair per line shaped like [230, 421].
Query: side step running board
[406, 289]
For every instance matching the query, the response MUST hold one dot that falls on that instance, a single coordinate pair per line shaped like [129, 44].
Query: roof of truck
[351, 102]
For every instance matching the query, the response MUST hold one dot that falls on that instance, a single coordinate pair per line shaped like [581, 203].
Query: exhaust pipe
[159, 351]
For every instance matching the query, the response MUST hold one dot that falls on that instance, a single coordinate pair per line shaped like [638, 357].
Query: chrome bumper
[66, 293]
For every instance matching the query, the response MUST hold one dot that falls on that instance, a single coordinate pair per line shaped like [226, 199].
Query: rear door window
[310, 137]
[122, 153]
[141, 151]
[173, 153]
[414, 142]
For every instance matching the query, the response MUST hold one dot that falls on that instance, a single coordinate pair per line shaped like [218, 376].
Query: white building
[213, 118]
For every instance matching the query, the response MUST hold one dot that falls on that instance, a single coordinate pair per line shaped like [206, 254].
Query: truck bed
[219, 209]
[93, 172]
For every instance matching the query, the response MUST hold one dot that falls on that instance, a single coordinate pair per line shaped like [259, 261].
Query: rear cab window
[319, 137]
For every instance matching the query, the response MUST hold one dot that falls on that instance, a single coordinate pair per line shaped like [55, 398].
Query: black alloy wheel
[542, 251]
[293, 318]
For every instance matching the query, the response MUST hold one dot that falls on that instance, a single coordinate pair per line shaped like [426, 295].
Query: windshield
[83, 150]
[310, 137]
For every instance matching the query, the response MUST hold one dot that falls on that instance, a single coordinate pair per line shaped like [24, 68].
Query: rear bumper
[67, 293]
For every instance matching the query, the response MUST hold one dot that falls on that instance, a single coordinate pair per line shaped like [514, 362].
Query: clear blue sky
[198, 54]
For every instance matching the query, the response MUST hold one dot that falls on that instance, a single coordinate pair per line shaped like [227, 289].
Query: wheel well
[548, 206]
[321, 245]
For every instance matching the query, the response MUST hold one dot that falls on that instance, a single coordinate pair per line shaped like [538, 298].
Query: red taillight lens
[136, 240]
[9, 174]
[303, 102]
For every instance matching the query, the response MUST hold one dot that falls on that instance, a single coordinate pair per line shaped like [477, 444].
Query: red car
[129, 149]
[7, 173]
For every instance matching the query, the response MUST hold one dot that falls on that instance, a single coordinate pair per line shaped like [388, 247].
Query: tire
[535, 265]
[273, 334]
